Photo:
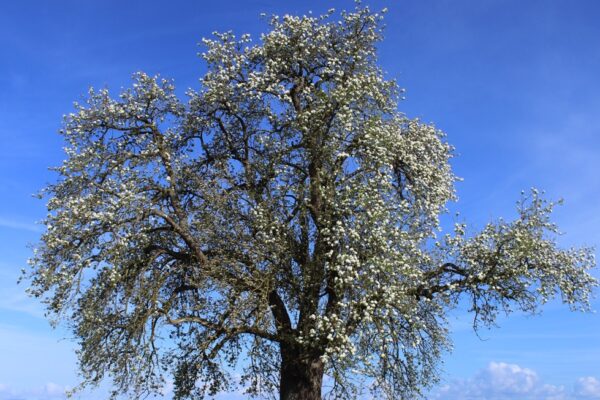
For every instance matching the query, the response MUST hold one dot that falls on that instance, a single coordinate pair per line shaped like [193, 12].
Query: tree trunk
[301, 376]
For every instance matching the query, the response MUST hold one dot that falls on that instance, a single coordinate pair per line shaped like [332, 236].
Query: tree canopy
[282, 221]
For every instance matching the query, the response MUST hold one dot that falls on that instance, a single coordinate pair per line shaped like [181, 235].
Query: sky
[514, 84]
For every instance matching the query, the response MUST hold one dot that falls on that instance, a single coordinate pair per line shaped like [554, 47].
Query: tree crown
[287, 205]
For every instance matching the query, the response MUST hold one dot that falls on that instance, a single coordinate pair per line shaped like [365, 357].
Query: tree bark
[301, 376]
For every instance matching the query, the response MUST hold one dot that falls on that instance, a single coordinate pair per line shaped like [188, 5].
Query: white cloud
[503, 381]
[49, 391]
[588, 387]
[52, 389]
[509, 378]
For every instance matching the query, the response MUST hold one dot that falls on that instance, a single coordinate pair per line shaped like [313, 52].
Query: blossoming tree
[283, 222]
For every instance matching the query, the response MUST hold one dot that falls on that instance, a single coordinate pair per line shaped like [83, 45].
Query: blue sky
[514, 84]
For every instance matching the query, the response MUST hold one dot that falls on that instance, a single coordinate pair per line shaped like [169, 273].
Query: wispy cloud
[13, 297]
[503, 381]
[565, 158]
[19, 225]
[17, 301]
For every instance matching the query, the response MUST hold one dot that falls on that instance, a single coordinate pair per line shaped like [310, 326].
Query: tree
[284, 221]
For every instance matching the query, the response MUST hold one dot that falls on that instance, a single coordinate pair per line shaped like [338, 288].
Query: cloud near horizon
[49, 391]
[588, 387]
[503, 381]
[497, 381]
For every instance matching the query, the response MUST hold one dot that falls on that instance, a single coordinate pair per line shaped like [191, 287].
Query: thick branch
[280, 313]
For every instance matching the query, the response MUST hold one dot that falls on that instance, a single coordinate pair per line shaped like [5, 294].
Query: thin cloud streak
[23, 226]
